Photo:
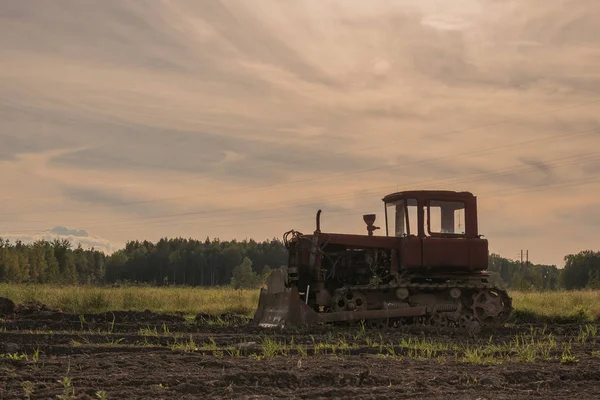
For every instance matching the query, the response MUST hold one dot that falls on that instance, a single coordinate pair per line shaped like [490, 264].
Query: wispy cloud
[74, 236]
[228, 105]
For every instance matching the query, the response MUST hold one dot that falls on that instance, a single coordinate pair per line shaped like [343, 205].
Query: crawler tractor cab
[429, 268]
[438, 230]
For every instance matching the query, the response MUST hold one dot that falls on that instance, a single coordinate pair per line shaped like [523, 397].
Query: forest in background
[179, 261]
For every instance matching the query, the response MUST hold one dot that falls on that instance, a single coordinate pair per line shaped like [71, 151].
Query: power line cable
[326, 176]
[495, 173]
[456, 131]
[304, 216]
[470, 177]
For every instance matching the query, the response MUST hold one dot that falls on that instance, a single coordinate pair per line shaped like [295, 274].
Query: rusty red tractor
[430, 268]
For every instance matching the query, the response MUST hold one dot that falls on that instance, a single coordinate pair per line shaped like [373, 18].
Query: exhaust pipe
[318, 221]
[315, 240]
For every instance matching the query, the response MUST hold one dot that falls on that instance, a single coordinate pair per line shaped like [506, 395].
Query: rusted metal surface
[281, 307]
[372, 314]
[411, 255]
[450, 254]
[359, 241]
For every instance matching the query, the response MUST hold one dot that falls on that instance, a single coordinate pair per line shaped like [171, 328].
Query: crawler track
[465, 304]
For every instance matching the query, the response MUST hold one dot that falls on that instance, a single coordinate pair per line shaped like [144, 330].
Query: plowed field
[142, 355]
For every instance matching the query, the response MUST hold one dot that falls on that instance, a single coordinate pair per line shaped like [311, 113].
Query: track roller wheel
[349, 301]
[438, 321]
[468, 323]
[378, 323]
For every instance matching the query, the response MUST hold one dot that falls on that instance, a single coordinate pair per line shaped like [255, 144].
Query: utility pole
[527, 258]
[521, 256]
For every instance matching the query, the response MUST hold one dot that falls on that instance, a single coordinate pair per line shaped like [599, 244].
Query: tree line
[191, 262]
[49, 262]
[179, 261]
[525, 275]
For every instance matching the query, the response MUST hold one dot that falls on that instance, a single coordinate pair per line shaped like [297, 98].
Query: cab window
[445, 218]
[402, 218]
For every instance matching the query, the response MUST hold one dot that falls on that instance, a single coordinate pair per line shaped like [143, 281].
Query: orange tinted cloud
[240, 119]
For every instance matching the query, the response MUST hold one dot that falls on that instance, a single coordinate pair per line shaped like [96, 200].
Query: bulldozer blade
[281, 307]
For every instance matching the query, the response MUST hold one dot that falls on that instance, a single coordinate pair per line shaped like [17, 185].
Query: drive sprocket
[491, 307]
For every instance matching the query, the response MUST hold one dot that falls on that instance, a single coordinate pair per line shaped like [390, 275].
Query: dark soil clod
[7, 306]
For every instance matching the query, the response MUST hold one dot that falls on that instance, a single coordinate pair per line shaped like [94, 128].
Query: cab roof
[429, 194]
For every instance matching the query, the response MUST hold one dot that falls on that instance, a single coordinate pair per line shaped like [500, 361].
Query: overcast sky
[239, 119]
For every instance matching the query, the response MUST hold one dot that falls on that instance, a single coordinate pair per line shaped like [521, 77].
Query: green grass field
[530, 306]
[90, 299]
